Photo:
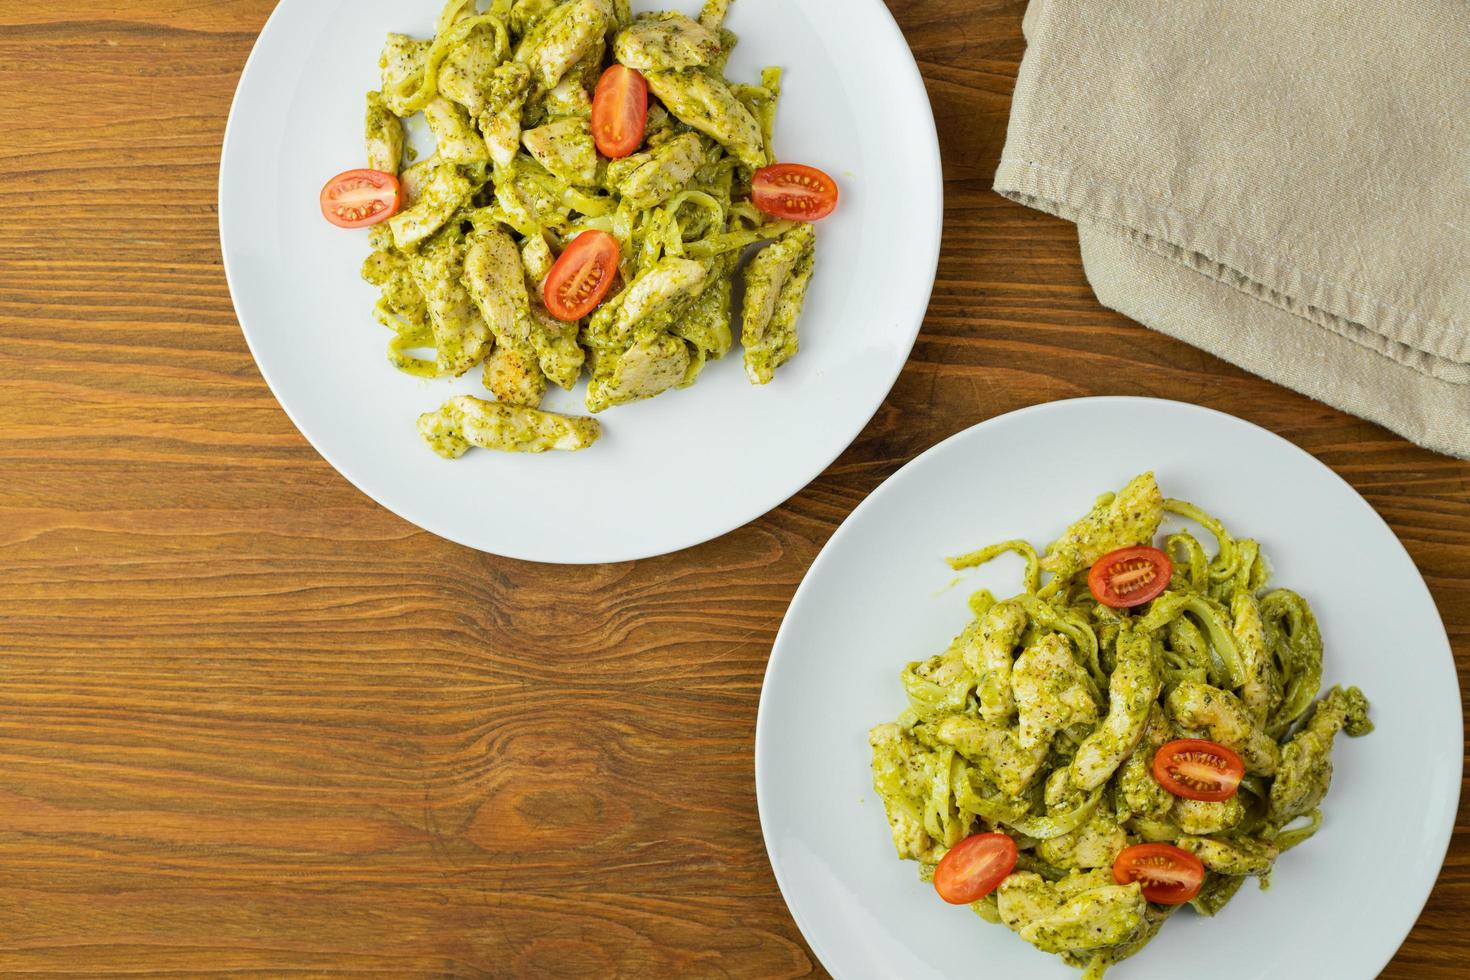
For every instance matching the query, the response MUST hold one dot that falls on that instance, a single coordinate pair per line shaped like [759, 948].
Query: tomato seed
[1131, 576]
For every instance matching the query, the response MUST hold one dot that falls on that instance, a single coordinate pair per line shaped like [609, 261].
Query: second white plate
[880, 595]
[668, 473]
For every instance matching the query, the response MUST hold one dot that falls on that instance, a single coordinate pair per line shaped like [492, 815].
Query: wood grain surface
[253, 724]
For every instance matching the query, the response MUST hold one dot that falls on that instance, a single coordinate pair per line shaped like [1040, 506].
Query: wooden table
[251, 722]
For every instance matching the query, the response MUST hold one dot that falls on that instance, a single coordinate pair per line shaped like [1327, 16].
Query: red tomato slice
[619, 111]
[974, 868]
[582, 276]
[359, 198]
[1198, 770]
[792, 192]
[1169, 876]
[1130, 577]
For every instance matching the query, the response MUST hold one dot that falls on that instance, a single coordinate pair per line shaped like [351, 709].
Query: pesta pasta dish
[1140, 732]
[596, 187]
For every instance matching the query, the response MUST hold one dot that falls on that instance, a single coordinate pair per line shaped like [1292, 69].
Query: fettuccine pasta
[1063, 744]
[517, 176]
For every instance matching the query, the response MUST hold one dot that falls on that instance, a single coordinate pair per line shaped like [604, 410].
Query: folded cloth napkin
[1284, 183]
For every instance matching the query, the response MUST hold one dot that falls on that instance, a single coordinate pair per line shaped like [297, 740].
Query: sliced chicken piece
[1055, 920]
[1261, 691]
[500, 111]
[707, 324]
[1130, 518]
[705, 103]
[1137, 788]
[514, 377]
[902, 772]
[648, 179]
[565, 148]
[666, 42]
[460, 334]
[444, 192]
[557, 350]
[402, 64]
[650, 303]
[1052, 690]
[525, 14]
[1133, 687]
[392, 272]
[383, 134]
[995, 748]
[1095, 844]
[414, 179]
[467, 421]
[496, 280]
[467, 69]
[776, 282]
[571, 96]
[459, 143]
[538, 259]
[1231, 856]
[990, 653]
[1222, 717]
[1206, 817]
[562, 38]
[645, 370]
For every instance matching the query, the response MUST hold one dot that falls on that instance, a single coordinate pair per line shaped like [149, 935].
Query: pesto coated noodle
[1041, 720]
[506, 90]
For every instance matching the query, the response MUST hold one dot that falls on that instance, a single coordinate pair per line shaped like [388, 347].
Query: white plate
[668, 473]
[878, 596]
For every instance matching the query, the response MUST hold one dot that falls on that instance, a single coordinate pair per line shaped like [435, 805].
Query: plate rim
[762, 762]
[933, 203]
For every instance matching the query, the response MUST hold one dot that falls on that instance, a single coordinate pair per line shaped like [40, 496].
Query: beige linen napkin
[1285, 184]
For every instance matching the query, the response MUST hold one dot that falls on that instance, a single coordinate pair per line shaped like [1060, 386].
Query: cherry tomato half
[1130, 577]
[1197, 769]
[619, 111]
[582, 276]
[974, 868]
[1169, 876]
[359, 198]
[792, 192]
